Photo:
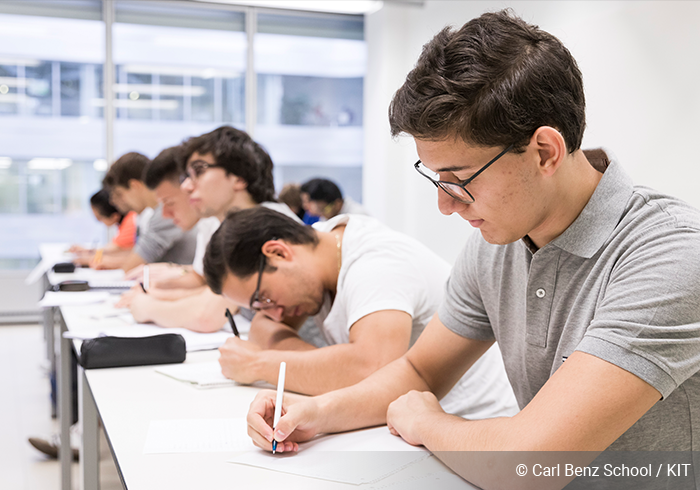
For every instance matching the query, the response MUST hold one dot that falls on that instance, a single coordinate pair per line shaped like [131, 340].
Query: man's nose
[446, 203]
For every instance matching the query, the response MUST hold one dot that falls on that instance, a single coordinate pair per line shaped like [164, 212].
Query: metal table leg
[90, 436]
[65, 406]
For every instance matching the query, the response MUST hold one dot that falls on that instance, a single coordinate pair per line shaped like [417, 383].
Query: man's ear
[134, 183]
[551, 149]
[239, 183]
[276, 251]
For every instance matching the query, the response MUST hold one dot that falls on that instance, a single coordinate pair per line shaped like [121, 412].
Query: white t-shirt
[350, 206]
[386, 270]
[205, 229]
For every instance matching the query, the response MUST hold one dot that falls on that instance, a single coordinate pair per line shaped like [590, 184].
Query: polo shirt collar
[598, 219]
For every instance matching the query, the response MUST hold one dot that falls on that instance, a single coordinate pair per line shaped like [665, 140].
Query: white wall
[641, 69]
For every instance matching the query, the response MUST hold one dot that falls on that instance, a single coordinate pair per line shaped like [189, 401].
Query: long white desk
[127, 400]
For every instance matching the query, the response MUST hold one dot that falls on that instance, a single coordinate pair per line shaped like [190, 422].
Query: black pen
[233, 324]
[144, 289]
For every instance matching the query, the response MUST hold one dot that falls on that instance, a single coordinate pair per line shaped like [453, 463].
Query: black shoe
[51, 446]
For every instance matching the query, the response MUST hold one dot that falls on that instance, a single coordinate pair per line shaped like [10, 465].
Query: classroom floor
[25, 411]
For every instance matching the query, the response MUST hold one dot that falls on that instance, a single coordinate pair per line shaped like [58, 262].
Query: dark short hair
[127, 167]
[322, 190]
[166, 166]
[492, 83]
[236, 246]
[100, 201]
[236, 152]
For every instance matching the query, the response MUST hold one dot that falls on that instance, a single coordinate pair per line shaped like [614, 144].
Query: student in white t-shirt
[371, 291]
[223, 170]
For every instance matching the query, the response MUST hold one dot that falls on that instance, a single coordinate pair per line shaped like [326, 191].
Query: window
[180, 70]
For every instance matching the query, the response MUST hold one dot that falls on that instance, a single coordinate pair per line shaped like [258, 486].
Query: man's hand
[238, 360]
[299, 421]
[405, 412]
[158, 271]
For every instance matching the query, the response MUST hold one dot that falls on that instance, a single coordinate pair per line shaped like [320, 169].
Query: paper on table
[85, 274]
[194, 340]
[197, 436]
[441, 480]
[368, 456]
[66, 298]
[199, 374]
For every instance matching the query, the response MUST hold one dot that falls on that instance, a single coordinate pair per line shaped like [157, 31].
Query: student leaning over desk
[370, 290]
[220, 171]
[588, 283]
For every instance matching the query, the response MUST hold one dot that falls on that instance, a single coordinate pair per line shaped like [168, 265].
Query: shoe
[51, 446]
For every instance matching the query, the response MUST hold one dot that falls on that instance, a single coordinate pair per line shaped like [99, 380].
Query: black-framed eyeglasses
[457, 191]
[196, 169]
[258, 303]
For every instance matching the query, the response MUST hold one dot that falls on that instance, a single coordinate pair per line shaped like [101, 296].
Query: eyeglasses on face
[257, 302]
[197, 168]
[456, 190]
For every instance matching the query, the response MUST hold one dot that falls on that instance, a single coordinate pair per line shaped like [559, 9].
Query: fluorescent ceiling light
[100, 165]
[180, 71]
[5, 162]
[166, 105]
[49, 163]
[172, 90]
[334, 6]
[19, 61]
[13, 81]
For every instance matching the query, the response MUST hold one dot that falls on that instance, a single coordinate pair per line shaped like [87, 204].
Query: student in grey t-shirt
[589, 285]
[157, 239]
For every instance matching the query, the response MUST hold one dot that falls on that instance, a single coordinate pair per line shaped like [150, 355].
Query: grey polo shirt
[161, 241]
[622, 283]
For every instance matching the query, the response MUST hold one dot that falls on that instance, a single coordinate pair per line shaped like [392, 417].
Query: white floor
[25, 411]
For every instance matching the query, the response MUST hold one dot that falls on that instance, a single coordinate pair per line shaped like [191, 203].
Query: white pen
[278, 401]
[146, 282]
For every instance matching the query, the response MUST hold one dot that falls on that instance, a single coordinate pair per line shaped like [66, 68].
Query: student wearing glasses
[222, 170]
[588, 283]
[370, 290]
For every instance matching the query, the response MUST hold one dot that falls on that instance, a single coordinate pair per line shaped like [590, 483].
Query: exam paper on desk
[202, 375]
[369, 455]
[65, 298]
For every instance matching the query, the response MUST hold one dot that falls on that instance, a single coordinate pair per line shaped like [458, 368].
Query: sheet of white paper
[199, 374]
[357, 457]
[67, 298]
[197, 436]
[85, 274]
[194, 340]
[51, 254]
[441, 480]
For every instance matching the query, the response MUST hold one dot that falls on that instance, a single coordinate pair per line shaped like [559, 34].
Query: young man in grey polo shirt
[588, 283]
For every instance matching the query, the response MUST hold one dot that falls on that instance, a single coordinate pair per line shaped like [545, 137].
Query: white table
[127, 400]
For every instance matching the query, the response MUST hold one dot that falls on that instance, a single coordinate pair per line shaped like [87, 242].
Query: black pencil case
[107, 352]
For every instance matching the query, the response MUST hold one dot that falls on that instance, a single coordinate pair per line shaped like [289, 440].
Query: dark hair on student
[166, 166]
[236, 152]
[492, 83]
[127, 167]
[235, 248]
[291, 196]
[100, 201]
[322, 190]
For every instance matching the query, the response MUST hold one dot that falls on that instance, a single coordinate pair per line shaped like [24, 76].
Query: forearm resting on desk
[203, 312]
